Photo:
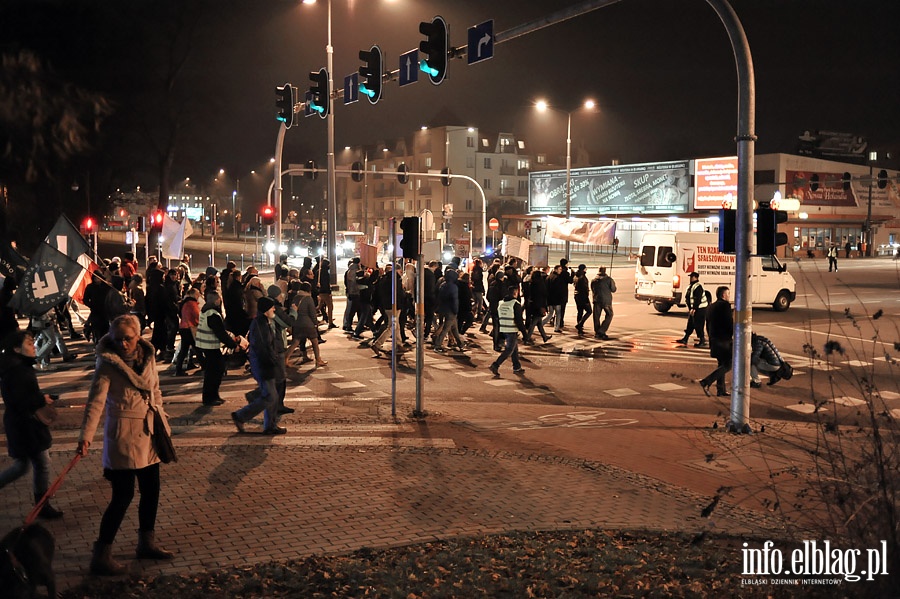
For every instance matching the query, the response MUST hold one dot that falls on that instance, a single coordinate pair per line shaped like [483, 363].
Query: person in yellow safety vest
[211, 335]
[832, 257]
[697, 301]
[511, 322]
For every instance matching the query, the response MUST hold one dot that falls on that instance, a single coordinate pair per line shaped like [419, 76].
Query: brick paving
[332, 488]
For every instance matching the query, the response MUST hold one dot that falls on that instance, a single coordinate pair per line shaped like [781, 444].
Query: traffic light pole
[331, 233]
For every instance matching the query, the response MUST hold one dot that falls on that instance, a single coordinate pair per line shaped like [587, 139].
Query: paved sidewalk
[347, 477]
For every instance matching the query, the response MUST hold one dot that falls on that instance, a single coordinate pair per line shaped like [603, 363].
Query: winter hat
[211, 271]
[274, 291]
[263, 304]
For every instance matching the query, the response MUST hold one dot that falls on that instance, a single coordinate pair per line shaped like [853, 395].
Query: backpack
[708, 297]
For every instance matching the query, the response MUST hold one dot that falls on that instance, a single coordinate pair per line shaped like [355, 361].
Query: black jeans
[213, 371]
[123, 492]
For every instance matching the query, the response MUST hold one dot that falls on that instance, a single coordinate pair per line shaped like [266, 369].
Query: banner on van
[652, 188]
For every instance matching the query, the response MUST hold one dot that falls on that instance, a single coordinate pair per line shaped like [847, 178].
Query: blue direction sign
[481, 42]
[409, 67]
[351, 88]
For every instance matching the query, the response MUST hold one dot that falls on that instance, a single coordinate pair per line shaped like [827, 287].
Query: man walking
[511, 322]
[602, 289]
[720, 326]
[697, 302]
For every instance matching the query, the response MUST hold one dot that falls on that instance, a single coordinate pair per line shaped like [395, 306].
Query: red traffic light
[89, 224]
[267, 215]
[156, 219]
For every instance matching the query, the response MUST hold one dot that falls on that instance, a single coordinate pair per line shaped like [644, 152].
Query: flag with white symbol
[46, 281]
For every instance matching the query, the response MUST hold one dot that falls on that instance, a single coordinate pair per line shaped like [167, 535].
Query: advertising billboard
[652, 188]
[715, 182]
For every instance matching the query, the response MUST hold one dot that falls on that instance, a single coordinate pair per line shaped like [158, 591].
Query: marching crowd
[264, 327]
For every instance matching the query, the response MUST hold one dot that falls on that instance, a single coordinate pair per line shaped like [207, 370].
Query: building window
[484, 142]
[470, 162]
[469, 204]
[541, 158]
[470, 141]
[521, 145]
[487, 162]
[428, 204]
[401, 205]
[486, 184]
[428, 162]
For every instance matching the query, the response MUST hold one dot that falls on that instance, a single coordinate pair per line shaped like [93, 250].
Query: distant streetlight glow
[544, 106]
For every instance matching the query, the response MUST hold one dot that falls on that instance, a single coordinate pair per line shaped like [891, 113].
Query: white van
[667, 257]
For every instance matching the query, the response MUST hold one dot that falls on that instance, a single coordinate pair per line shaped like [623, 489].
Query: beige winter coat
[129, 421]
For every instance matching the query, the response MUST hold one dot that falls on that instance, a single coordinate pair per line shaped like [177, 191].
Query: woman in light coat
[125, 385]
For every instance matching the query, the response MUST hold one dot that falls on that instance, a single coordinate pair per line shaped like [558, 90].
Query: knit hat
[274, 291]
[211, 271]
[263, 304]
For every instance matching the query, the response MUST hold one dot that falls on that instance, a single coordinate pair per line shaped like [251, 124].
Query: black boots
[48, 512]
[148, 549]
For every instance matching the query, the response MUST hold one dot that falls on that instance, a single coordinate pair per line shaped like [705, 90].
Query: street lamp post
[873, 156]
[543, 106]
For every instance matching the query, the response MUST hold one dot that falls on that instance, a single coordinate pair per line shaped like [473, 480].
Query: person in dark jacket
[28, 439]
[537, 305]
[720, 327]
[236, 319]
[95, 300]
[8, 322]
[478, 287]
[582, 297]
[264, 366]
[323, 282]
[448, 308]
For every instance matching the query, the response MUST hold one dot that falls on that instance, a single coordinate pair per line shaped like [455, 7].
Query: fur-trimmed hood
[108, 353]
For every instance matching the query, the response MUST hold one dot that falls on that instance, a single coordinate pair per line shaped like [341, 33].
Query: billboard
[830, 193]
[833, 145]
[715, 182]
[652, 188]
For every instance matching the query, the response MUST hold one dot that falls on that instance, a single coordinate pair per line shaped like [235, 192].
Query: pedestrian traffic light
[372, 72]
[882, 179]
[436, 46]
[89, 225]
[767, 236]
[141, 224]
[727, 231]
[845, 181]
[321, 101]
[267, 215]
[357, 174]
[312, 170]
[814, 183]
[409, 244]
[445, 179]
[402, 175]
[156, 220]
[285, 98]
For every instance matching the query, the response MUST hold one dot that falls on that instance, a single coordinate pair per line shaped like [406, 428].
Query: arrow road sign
[351, 88]
[481, 42]
[409, 67]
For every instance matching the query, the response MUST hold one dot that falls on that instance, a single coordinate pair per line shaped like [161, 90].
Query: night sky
[661, 71]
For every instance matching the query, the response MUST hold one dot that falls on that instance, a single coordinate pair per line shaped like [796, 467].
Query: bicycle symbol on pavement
[586, 419]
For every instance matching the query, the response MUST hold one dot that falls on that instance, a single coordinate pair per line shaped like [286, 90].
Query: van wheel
[662, 307]
[782, 302]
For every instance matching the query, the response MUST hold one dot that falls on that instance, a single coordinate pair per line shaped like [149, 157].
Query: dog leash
[32, 516]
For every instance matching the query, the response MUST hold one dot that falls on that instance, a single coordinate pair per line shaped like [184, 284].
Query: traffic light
[845, 181]
[814, 182]
[312, 170]
[89, 225]
[882, 179]
[445, 179]
[372, 71]
[156, 220]
[357, 174]
[436, 46]
[409, 245]
[727, 231]
[321, 101]
[402, 175]
[767, 236]
[141, 224]
[267, 215]
[285, 97]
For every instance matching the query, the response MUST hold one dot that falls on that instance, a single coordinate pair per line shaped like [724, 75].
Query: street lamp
[543, 106]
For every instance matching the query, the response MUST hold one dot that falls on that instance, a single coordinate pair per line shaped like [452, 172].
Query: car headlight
[282, 249]
[270, 246]
[448, 256]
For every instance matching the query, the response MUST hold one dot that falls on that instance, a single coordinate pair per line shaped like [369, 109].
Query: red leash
[32, 516]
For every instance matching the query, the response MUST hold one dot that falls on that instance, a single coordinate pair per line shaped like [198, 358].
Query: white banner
[581, 231]
[173, 236]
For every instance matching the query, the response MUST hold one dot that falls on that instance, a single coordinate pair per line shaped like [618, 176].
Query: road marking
[846, 400]
[667, 387]
[623, 392]
[349, 385]
[805, 408]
